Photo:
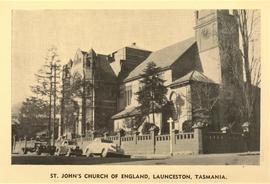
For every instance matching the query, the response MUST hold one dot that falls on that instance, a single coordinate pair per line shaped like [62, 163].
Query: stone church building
[99, 91]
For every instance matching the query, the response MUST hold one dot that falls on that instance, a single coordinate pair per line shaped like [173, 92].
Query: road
[209, 159]
[62, 160]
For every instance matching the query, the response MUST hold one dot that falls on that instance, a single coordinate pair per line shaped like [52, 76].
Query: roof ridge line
[185, 46]
[175, 43]
[192, 74]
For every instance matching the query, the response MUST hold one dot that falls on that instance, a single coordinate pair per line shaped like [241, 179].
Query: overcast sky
[103, 30]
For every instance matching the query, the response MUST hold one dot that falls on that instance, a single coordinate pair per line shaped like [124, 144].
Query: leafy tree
[147, 127]
[133, 123]
[187, 126]
[32, 116]
[152, 95]
[204, 99]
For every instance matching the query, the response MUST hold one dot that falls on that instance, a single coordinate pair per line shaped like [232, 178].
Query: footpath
[179, 155]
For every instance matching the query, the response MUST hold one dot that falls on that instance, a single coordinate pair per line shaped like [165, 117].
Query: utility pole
[54, 102]
[50, 104]
[93, 98]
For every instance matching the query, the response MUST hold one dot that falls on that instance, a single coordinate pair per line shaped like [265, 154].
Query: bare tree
[47, 86]
[239, 92]
[248, 21]
[249, 28]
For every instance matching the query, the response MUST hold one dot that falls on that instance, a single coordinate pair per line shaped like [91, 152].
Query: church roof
[132, 111]
[84, 52]
[192, 76]
[128, 112]
[163, 58]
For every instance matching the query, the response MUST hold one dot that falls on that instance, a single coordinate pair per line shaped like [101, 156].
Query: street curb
[150, 156]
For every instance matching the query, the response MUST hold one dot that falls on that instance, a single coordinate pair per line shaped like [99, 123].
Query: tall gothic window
[128, 95]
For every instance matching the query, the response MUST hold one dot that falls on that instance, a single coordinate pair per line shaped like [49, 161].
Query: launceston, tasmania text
[172, 176]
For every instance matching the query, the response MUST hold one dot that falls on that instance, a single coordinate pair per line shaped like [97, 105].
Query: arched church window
[178, 102]
[174, 109]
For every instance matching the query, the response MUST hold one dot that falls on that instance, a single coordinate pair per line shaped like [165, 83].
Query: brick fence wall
[186, 143]
[216, 142]
[162, 144]
[197, 142]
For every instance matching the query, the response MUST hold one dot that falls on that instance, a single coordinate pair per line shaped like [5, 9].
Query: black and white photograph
[134, 92]
[136, 87]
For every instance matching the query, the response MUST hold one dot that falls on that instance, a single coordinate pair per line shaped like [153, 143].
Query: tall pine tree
[47, 88]
[152, 94]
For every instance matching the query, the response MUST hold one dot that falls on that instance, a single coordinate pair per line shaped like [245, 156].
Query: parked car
[68, 148]
[104, 148]
[30, 149]
[44, 147]
[39, 147]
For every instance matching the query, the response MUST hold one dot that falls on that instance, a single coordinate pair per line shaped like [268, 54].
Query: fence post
[172, 137]
[135, 137]
[198, 137]
[25, 142]
[119, 138]
[13, 143]
[173, 140]
[153, 137]
[135, 141]
[92, 136]
[105, 135]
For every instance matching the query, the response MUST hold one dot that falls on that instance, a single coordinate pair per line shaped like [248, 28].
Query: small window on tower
[88, 63]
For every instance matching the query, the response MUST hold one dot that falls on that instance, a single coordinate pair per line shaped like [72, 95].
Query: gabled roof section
[163, 58]
[80, 51]
[92, 52]
[104, 69]
[128, 112]
[192, 76]
[132, 111]
[84, 52]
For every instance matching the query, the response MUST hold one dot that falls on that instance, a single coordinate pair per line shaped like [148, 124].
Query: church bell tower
[218, 43]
